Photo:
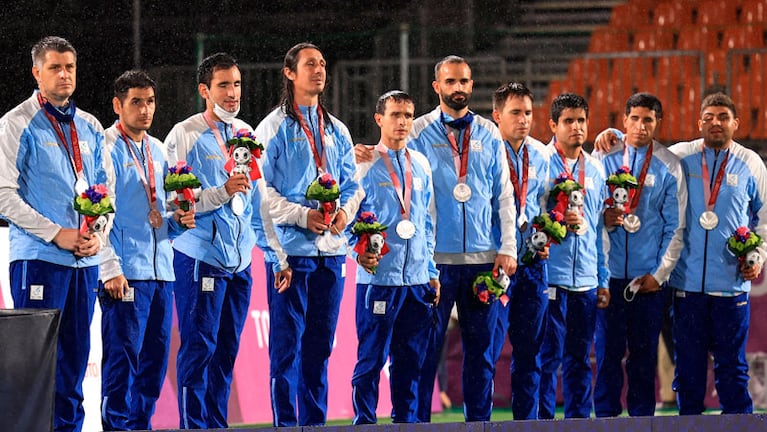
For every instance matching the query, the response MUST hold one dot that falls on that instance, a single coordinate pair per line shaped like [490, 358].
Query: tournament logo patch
[379, 308]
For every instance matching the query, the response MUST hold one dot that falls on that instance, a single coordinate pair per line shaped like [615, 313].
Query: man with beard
[212, 261]
[471, 189]
[727, 190]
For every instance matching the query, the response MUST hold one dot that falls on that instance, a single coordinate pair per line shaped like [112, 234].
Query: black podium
[27, 368]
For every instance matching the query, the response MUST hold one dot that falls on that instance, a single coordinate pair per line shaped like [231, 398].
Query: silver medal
[81, 185]
[405, 229]
[631, 223]
[582, 229]
[238, 204]
[462, 192]
[708, 220]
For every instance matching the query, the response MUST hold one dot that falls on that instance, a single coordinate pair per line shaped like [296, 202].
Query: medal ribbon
[520, 190]
[405, 200]
[74, 157]
[710, 196]
[581, 161]
[460, 160]
[217, 134]
[320, 162]
[149, 187]
[642, 173]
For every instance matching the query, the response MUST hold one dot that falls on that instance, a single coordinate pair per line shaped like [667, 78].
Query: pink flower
[742, 234]
[327, 181]
[367, 217]
[244, 133]
[556, 216]
[100, 189]
[563, 177]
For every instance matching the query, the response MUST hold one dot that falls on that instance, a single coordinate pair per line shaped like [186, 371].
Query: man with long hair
[306, 145]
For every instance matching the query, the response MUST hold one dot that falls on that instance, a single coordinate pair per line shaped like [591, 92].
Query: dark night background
[254, 31]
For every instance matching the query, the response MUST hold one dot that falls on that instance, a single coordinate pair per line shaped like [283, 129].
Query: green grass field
[455, 415]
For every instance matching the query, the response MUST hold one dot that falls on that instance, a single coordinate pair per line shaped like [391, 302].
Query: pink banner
[250, 401]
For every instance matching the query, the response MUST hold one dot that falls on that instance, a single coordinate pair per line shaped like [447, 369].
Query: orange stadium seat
[653, 39]
[752, 12]
[540, 129]
[609, 39]
[632, 14]
[716, 66]
[717, 12]
[674, 14]
[700, 38]
[744, 36]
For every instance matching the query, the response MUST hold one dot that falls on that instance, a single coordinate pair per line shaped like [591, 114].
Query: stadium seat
[609, 39]
[716, 67]
[717, 12]
[744, 36]
[653, 39]
[700, 38]
[674, 14]
[632, 14]
[752, 12]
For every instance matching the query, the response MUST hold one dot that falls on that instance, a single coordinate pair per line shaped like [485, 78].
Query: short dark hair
[645, 100]
[720, 100]
[50, 43]
[565, 101]
[394, 96]
[512, 89]
[132, 79]
[451, 59]
[212, 63]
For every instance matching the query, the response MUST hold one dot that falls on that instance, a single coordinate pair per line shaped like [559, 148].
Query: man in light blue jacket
[727, 190]
[137, 267]
[212, 261]
[396, 291]
[52, 151]
[524, 316]
[578, 276]
[471, 190]
[645, 241]
[304, 141]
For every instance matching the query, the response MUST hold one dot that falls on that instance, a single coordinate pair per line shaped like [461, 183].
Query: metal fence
[679, 78]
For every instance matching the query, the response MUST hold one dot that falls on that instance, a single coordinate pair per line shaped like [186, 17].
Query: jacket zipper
[705, 241]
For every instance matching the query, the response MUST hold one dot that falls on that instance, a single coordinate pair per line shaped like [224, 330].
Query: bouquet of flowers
[370, 234]
[94, 204]
[489, 288]
[568, 196]
[243, 152]
[623, 186]
[548, 228]
[325, 190]
[185, 184]
[743, 244]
